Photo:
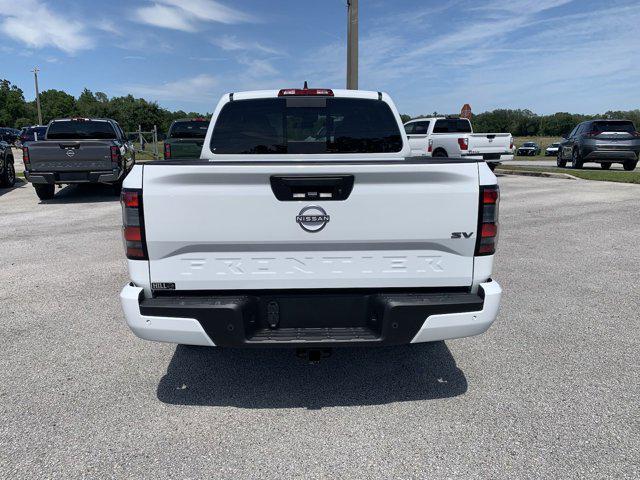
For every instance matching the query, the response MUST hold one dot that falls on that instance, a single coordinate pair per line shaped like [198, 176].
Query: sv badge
[461, 234]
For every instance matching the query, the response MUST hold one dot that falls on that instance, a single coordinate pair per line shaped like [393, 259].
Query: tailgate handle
[491, 137]
[69, 145]
[289, 188]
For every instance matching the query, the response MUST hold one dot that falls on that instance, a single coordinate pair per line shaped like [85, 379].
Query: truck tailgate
[482, 143]
[221, 227]
[67, 156]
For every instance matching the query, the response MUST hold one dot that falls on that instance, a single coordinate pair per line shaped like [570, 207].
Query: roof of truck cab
[84, 119]
[336, 93]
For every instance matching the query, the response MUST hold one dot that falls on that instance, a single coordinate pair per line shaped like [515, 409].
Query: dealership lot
[550, 391]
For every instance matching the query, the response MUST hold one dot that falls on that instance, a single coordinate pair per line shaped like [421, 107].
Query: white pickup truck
[306, 223]
[454, 137]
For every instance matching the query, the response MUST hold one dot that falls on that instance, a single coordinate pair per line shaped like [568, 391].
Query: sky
[580, 56]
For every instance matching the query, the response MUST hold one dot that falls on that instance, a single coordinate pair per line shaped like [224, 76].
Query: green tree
[57, 104]
[88, 105]
[12, 104]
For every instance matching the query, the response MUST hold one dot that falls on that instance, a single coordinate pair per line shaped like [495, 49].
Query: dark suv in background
[601, 141]
[31, 134]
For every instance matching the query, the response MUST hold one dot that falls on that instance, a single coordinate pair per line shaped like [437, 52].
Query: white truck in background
[454, 137]
[306, 223]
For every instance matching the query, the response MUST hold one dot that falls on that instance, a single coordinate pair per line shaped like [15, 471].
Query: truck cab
[305, 222]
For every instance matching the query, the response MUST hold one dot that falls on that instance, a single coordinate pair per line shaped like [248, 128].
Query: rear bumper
[609, 155]
[72, 177]
[490, 157]
[311, 319]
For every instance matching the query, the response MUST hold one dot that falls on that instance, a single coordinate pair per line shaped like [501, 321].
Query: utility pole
[352, 45]
[35, 76]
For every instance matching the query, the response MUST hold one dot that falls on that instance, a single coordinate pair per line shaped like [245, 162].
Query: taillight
[115, 154]
[133, 224]
[291, 92]
[430, 146]
[25, 157]
[464, 143]
[167, 151]
[511, 144]
[488, 220]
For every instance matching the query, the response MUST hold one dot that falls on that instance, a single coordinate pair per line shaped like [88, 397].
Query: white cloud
[191, 89]
[231, 43]
[186, 15]
[37, 26]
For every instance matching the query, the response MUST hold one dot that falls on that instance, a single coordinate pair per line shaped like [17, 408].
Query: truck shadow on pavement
[20, 183]
[276, 378]
[83, 193]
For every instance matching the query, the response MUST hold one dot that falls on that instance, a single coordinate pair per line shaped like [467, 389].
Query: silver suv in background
[601, 141]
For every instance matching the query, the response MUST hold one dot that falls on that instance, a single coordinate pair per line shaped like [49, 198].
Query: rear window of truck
[452, 125]
[80, 129]
[189, 129]
[305, 125]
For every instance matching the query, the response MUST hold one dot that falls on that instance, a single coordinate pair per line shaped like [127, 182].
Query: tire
[440, 153]
[630, 165]
[8, 177]
[117, 188]
[605, 166]
[576, 160]
[45, 191]
[560, 162]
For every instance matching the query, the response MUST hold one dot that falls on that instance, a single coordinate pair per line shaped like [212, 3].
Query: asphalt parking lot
[551, 391]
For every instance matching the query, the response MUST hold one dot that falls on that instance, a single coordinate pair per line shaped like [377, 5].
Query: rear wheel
[576, 159]
[630, 165]
[45, 192]
[605, 166]
[440, 153]
[560, 162]
[8, 177]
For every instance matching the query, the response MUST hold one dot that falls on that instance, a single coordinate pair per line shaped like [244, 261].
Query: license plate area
[73, 176]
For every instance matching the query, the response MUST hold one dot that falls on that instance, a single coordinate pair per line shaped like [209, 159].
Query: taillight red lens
[132, 234]
[490, 196]
[130, 198]
[167, 150]
[133, 224]
[489, 230]
[488, 220]
[430, 146]
[115, 152]
[511, 144]
[464, 143]
[25, 156]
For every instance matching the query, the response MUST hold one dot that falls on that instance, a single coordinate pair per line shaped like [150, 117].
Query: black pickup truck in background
[78, 150]
[7, 170]
[185, 138]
